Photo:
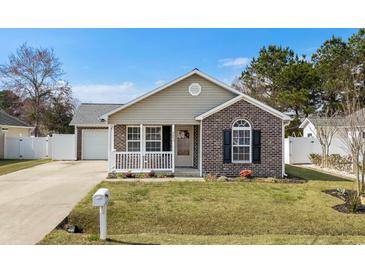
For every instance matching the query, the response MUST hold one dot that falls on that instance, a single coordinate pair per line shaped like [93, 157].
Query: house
[11, 126]
[310, 123]
[194, 122]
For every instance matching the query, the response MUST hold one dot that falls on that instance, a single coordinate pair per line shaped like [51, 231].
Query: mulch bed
[345, 207]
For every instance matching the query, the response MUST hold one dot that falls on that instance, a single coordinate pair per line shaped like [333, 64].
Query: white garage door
[95, 144]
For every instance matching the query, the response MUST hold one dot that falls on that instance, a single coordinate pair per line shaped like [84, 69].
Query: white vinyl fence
[57, 147]
[298, 149]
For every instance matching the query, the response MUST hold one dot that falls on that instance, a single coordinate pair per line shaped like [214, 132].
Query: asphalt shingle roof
[88, 114]
[8, 120]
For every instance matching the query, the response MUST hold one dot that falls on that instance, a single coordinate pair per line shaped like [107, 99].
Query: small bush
[315, 159]
[152, 174]
[211, 178]
[335, 161]
[247, 173]
[353, 202]
[129, 174]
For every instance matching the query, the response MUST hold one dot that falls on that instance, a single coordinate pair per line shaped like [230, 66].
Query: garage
[94, 144]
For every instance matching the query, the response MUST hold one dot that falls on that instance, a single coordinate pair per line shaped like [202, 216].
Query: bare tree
[35, 74]
[352, 134]
[325, 127]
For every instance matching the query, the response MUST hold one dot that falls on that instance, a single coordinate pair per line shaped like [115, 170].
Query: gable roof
[9, 120]
[193, 72]
[249, 99]
[240, 96]
[88, 113]
[320, 121]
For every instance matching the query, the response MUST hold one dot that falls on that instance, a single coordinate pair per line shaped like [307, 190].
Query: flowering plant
[246, 173]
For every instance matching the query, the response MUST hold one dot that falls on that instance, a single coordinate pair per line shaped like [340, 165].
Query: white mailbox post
[101, 200]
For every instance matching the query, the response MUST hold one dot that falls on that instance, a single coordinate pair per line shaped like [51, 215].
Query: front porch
[160, 148]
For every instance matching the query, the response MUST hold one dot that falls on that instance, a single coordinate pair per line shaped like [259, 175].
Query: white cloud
[238, 62]
[160, 82]
[96, 93]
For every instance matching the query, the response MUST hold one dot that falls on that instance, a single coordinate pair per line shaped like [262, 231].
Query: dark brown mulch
[345, 207]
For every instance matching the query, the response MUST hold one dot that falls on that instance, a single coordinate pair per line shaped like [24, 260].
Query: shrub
[335, 161]
[151, 174]
[247, 173]
[315, 159]
[353, 202]
[211, 178]
[129, 174]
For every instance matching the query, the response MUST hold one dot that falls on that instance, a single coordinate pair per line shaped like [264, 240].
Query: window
[309, 134]
[153, 139]
[133, 139]
[241, 142]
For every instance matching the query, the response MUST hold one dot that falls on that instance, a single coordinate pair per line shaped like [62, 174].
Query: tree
[333, 63]
[352, 134]
[11, 103]
[298, 88]
[326, 128]
[60, 112]
[258, 79]
[35, 74]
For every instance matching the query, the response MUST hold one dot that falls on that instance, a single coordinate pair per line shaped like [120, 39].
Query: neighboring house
[11, 126]
[194, 122]
[310, 123]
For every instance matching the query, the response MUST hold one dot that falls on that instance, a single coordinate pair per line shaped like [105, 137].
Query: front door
[184, 146]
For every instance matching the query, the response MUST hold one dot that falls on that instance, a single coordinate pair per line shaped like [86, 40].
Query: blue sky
[116, 65]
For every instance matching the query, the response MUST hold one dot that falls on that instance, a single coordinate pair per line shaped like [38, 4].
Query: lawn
[8, 166]
[217, 213]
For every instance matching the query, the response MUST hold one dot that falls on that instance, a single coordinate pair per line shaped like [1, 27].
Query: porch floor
[186, 172]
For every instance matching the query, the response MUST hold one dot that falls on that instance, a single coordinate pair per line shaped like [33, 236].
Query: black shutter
[256, 146]
[166, 138]
[227, 148]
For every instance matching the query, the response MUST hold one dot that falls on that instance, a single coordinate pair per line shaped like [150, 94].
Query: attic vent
[195, 89]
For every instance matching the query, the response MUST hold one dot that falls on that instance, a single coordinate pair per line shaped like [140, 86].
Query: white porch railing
[142, 161]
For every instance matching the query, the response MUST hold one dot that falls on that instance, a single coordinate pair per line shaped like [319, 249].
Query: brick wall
[120, 137]
[79, 139]
[196, 147]
[271, 141]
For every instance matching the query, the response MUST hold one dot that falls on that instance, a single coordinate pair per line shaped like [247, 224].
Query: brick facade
[196, 147]
[79, 140]
[271, 141]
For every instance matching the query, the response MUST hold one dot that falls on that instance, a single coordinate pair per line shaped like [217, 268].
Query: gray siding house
[194, 122]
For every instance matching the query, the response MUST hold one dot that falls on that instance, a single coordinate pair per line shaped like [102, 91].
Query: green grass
[8, 166]
[310, 174]
[217, 213]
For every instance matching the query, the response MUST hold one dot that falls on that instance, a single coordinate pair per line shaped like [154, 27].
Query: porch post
[141, 147]
[201, 149]
[110, 147]
[173, 147]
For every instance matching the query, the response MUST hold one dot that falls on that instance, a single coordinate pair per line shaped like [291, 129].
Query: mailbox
[101, 200]
[101, 197]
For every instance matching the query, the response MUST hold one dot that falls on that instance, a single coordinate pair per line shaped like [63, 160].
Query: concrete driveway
[34, 201]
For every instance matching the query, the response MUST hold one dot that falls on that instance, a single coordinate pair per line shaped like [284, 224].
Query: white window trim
[135, 141]
[250, 145]
[145, 139]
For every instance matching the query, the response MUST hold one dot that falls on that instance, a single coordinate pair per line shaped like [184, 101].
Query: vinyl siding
[174, 105]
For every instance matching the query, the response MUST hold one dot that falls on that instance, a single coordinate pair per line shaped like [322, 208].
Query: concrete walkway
[33, 201]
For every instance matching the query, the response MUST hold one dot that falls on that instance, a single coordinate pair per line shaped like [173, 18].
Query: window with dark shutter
[227, 152]
[256, 146]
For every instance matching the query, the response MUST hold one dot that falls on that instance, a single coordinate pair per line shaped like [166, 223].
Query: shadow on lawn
[310, 174]
[111, 241]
